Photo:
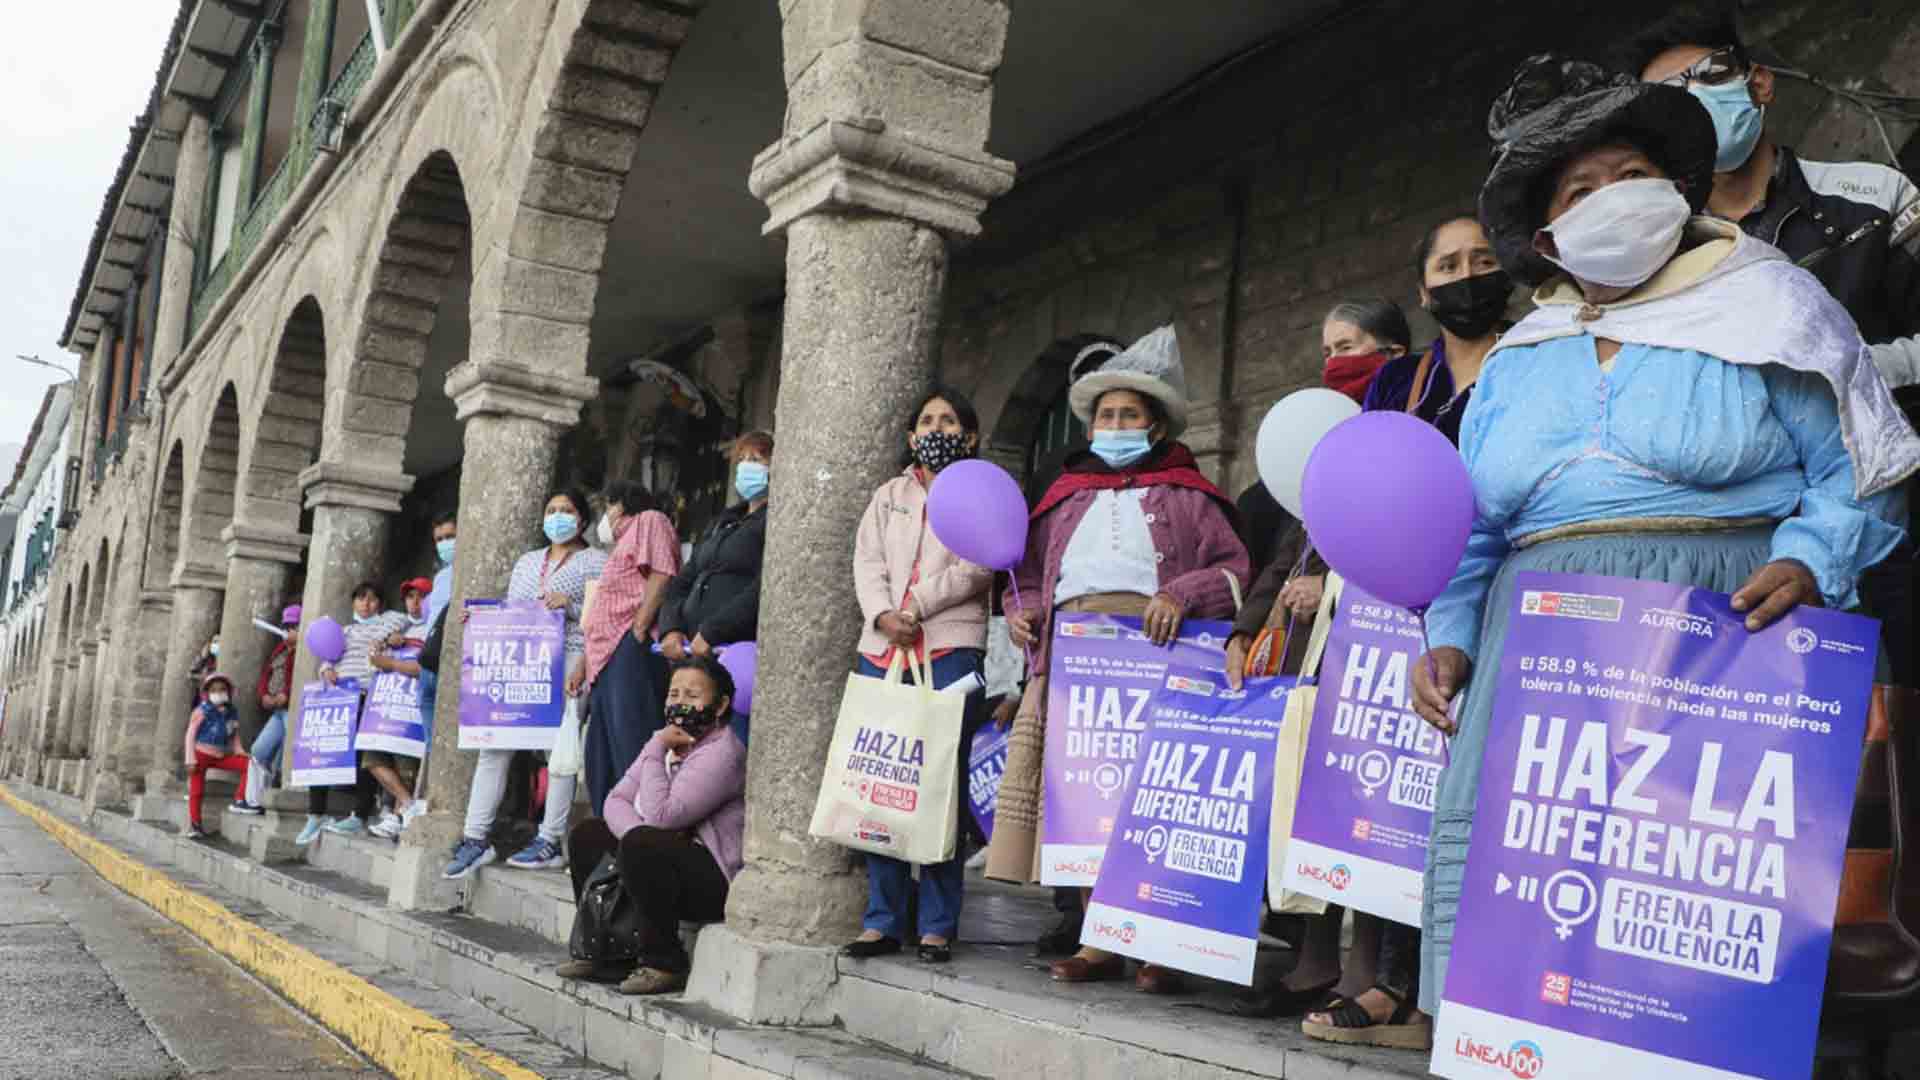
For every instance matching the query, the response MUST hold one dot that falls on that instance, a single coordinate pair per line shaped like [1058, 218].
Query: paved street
[97, 986]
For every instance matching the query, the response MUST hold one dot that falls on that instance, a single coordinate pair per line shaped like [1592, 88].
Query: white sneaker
[978, 861]
[388, 827]
[414, 809]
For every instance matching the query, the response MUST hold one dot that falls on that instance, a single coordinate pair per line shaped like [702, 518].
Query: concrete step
[495, 984]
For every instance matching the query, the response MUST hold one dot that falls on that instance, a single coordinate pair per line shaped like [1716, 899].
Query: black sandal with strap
[1349, 1022]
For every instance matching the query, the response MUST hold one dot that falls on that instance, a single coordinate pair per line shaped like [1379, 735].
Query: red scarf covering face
[1353, 373]
[1175, 466]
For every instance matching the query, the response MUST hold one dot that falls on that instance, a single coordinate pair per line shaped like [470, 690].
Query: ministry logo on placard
[1566, 605]
[1802, 640]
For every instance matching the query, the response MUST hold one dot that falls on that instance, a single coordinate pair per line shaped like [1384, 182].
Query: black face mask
[695, 720]
[935, 450]
[1471, 307]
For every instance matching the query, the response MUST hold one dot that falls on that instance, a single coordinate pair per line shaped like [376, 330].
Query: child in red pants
[213, 742]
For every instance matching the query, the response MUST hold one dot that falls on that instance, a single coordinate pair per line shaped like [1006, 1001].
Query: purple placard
[1662, 820]
[323, 735]
[986, 764]
[512, 663]
[1181, 882]
[1371, 768]
[1103, 672]
[392, 720]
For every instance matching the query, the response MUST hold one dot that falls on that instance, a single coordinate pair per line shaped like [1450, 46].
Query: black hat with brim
[1557, 108]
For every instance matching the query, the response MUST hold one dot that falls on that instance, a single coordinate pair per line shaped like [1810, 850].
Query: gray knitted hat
[1150, 366]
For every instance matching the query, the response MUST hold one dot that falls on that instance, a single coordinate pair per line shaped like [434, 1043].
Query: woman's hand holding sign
[1437, 677]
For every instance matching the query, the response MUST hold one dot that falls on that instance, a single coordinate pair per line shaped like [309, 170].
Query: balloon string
[1433, 676]
[1286, 635]
[1013, 579]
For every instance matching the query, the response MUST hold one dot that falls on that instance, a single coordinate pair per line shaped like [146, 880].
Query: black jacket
[1856, 226]
[717, 594]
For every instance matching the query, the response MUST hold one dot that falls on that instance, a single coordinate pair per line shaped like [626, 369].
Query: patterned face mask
[695, 720]
[935, 450]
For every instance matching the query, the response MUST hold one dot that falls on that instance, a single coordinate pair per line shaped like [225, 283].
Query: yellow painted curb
[396, 1036]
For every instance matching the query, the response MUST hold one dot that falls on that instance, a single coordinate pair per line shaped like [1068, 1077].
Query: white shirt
[1111, 550]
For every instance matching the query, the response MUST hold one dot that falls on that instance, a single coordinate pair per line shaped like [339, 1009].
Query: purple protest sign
[1371, 768]
[323, 735]
[1659, 835]
[986, 764]
[392, 720]
[512, 663]
[1104, 671]
[1181, 882]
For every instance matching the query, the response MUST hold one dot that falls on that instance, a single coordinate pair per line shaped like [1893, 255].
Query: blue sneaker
[347, 826]
[471, 855]
[542, 854]
[310, 831]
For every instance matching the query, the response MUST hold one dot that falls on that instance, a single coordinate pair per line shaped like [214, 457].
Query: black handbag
[606, 921]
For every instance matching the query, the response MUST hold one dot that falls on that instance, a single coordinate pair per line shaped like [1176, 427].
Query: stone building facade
[367, 261]
[33, 517]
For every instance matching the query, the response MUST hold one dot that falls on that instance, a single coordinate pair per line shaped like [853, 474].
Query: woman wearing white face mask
[555, 575]
[621, 676]
[1130, 528]
[1684, 406]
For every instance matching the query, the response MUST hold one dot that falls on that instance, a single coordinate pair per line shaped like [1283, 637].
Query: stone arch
[102, 565]
[534, 305]
[77, 619]
[285, 436]
[427, 239]
[207, 508]
[1033, 395]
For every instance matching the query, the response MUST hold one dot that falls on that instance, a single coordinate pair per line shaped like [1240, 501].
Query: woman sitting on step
[674, 826]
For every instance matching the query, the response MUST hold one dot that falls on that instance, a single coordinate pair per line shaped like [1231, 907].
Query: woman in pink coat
[675, 825]
[917, 595]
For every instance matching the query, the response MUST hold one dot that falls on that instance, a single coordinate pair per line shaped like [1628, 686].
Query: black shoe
[935, 954]
[1280, 1001]
[1064, 938]
[863, 950]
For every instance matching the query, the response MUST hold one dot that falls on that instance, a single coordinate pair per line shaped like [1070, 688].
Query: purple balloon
[742, 661]
[326, 640]
[977, 510]
[1389, 505]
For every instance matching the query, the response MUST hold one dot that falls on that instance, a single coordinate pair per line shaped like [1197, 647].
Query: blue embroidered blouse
[1550, 440]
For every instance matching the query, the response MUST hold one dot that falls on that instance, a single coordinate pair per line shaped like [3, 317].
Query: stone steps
[494, 983]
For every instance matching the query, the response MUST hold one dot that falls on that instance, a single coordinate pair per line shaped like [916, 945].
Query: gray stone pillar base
[764, 983]
[271, 839]
[106, 791]
[282, 800]
[423, 853]
[162, 795]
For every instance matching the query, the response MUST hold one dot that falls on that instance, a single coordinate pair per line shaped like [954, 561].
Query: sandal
[1349, 1022]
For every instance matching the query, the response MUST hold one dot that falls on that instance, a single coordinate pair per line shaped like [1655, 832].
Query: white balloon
[1292, 428]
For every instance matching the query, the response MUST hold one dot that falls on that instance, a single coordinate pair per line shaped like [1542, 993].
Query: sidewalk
[488, 982]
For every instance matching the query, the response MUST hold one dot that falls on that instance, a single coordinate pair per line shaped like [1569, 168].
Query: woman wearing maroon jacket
[1129, 528]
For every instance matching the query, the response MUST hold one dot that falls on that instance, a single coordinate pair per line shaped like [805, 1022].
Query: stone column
[184, 234]
[260, 561]
[196, 617]
[351, 508]
[513, 419]
[67, 740]
[141, 674]
[79, 730]
[881, 162]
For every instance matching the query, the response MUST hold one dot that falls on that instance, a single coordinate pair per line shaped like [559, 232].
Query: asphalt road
[95, 985]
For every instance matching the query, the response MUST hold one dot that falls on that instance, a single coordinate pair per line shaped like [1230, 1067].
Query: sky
[69, 105]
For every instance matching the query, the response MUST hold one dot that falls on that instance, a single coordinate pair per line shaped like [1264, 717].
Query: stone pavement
[96, 985]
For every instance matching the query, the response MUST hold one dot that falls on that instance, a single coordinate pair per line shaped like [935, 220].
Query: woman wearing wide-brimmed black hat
[1684, 405]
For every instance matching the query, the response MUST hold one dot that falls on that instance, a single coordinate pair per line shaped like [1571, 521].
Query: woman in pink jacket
[675, 825]
[917, 595]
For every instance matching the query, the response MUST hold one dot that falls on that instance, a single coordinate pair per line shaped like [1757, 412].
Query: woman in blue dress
[1684, 405]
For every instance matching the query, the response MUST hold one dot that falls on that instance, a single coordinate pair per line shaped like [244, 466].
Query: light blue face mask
[750, 480]
[1737, 121]
[444, 549]
[560, 528]
[1120, 449]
